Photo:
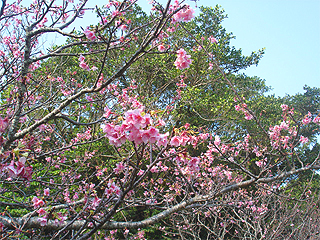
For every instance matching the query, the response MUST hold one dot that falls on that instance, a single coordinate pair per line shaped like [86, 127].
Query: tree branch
[34, 222]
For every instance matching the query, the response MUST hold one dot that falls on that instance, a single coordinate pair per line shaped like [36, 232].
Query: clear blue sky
[288, 29]
[290, 32]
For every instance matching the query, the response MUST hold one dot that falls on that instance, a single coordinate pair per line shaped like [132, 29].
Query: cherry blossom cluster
[17, 169]
[243, 108]
[213, 39]
[188, 165]
[90, 34]
[316, 120]
[184, 15]
[83, 64]
[183, 60]
[219, 148]
[112, 189]
[276, 131]
[121, 24]
[162, 48]
[137, 127]
[82, 136]
[278, 138]
[307, 119]
[184, 138]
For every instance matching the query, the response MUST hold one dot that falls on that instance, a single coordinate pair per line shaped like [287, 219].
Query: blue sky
[288, 29]
[290, 32]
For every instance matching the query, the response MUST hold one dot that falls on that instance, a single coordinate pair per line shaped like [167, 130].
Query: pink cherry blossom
[75, 196]
[183, 60]
[184, 15]
[303, 139]
[213, 40]
[81, 58]
[151, 135]
[37, 202]
[90, 35]
[94, 68]
[119, 168]
[154, 169]
[124, 27]
[284, 125]
[284, 107]
[113, 189]
[184, 140]
[95, 203]
[3, 124]
[316, 120]
[107, 112]
[163, 139]
[135, 136]
[261, 163]
[193, 164]
[217, 140]
[116, 13]
[161, 122]
[61, 219]
[307, 119]
[248, 116]
[175, 141]
[82, 63]
[18, 169]
[171, 30]
[136, 127]
[161, 48]
[46, 192]
[41, 212]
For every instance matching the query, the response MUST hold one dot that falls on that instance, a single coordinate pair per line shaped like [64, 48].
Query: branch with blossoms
[137, 127]
[36, 222]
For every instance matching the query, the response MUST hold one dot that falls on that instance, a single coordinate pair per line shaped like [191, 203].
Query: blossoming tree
[82, 156]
